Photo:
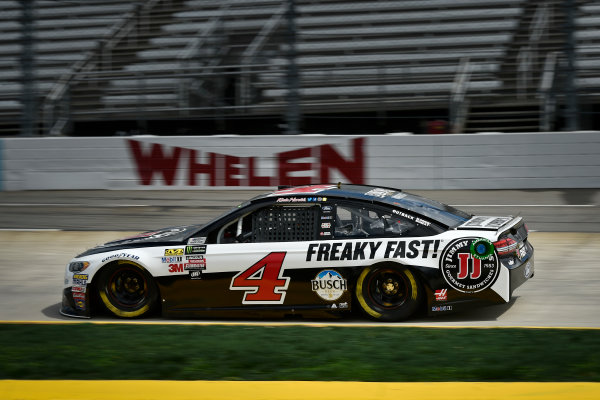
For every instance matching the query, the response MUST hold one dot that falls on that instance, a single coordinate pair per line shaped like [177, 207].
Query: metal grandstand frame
[522, 63]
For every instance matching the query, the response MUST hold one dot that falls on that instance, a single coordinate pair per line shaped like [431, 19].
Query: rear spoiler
[486, 223]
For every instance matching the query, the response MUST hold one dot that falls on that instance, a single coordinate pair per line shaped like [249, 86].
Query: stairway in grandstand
[66, 34]
[496, 65]
[395, 54]
[360, 55]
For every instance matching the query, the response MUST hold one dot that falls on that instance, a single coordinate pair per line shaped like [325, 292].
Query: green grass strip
[207, 352]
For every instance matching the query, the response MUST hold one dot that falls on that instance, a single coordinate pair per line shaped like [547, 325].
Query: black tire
[388, 293]
[127, 290]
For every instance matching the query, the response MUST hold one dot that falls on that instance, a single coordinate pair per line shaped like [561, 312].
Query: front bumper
[75, 307]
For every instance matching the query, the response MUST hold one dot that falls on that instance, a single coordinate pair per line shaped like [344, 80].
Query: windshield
[435, 210]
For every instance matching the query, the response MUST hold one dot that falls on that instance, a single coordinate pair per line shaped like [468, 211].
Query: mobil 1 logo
[465, 272]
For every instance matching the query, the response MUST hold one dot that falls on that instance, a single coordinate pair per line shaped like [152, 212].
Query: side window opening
[358, 221]
[284, 224]
[227, 233]
[270, 224]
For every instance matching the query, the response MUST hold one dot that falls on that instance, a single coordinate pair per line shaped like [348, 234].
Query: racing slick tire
[388, 292]
[127, 290]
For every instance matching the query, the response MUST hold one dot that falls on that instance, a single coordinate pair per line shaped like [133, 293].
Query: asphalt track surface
[41, 231]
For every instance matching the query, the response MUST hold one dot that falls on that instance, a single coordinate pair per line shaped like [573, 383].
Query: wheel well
[418, 273]
[415, 270]
[387, 301]
[96, 302]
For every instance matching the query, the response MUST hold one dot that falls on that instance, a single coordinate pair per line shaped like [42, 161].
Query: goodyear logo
[173, 252]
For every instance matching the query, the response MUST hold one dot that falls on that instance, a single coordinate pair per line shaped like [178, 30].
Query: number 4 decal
[263, 282]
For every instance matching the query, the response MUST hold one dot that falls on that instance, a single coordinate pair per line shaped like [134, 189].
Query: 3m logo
[175, 268]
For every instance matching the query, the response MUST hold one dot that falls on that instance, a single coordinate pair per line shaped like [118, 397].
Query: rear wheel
[127, 290]
[388, 293]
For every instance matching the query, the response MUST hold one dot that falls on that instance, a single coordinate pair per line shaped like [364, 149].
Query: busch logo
[329, 285]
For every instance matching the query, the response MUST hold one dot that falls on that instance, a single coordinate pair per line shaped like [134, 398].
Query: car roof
[429, 208]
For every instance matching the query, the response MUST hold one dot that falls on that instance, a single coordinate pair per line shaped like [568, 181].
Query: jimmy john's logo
[352, 251]
[464, 272]
[329, 285]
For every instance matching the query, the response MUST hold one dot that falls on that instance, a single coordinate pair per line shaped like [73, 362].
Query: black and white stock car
[321, 250]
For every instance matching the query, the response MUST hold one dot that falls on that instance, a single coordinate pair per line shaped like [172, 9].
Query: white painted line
[29, 230]
[313, 324]
[71, 205]
[524, 205]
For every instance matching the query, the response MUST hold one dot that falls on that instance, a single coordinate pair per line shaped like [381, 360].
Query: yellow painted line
[294, 390]
[346, 324]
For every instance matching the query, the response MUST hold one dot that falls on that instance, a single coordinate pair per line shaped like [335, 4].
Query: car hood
[166, 236]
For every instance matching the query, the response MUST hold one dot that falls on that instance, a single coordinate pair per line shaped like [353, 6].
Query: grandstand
[216, 66]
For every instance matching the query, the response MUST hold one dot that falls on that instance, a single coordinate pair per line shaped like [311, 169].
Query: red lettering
[156, 161]
[231, 170]
[353, 169]
[199, 168]
[463, 266]
[286, 167]
[254, 180]
[175, 268]
[476, 268]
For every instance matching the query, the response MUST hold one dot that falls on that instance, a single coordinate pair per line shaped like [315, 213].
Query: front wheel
[127, 290]
[388, 293]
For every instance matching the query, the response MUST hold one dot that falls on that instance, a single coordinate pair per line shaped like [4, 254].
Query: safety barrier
[461, 161]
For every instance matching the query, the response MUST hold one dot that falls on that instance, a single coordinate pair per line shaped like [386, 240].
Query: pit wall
[476, 161]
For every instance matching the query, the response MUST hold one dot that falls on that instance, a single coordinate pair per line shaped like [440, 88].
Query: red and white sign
[159, 163]
[189, 162]
[441, 295]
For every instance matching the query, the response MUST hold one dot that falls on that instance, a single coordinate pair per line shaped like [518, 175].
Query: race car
[310, 251]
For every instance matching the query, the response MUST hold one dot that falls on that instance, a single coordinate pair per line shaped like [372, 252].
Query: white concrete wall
[481, 161]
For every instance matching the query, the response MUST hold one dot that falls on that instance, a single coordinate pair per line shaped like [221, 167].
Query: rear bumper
[521, 273]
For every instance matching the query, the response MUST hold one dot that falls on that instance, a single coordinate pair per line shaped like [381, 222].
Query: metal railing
[547, 91]
[252, 53]
[459, 103]
[527, 58]
[55, 107]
